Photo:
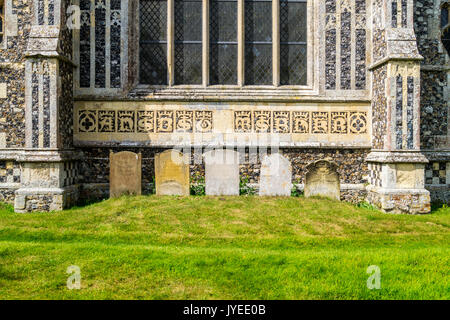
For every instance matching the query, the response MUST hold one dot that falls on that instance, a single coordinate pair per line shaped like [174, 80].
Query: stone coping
[387, 191]
[394, 57]
[45, 191]
[396, 157]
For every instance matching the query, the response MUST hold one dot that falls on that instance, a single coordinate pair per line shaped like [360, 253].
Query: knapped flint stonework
[12, 72]
[12, 114]
[379, 108]
[435, 117]
[345, 22]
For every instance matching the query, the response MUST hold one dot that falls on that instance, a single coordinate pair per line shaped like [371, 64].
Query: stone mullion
[276, 42]
[45, 2]
[205, 42]
[92, 47]
[170, 42]
[108, 44]
[241, 43]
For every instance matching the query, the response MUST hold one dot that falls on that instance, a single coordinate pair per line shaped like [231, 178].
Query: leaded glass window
[188, 41]
[223, 42]
[153, 42]
[293, 42]
[258, 42]
[445, 26]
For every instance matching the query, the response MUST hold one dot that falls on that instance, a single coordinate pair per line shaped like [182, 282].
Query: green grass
[152, 247]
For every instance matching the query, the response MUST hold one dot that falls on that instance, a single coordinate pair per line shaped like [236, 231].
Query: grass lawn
[152, 247]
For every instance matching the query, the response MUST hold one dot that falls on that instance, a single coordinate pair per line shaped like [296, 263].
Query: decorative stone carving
[222, 172]
[172, 173]
[125, 173]
[276, 176]
[322, 179]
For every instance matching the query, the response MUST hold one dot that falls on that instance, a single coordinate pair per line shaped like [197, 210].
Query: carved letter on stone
[125, 173]
[172, 173]
[322, 179]
[276, 176]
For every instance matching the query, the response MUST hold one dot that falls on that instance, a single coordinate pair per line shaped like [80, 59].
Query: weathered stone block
[322, 179]
[222, 172]
[3, 90]
[172, 173]
[125, 173]
[276, 176]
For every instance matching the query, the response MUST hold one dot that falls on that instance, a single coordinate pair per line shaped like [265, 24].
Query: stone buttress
[396, 163]
[48, 161]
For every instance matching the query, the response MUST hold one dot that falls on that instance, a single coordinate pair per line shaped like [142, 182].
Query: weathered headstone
[125, 173]
[222, 172]
[276, 176]
[322, 179]
[172, 173]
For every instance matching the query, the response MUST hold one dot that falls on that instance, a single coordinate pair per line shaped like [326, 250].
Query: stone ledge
[388, 191]
[9, 186]
[48, 155]
[8, 154]
[207, 95]
[437, 156]
[396, 157]
[45, 191]
[153, 144]
[394, 57]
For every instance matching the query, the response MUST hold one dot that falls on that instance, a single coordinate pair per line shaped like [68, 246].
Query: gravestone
[125, 173]
[276, 176]
[172, 173]
[222, 172]
[322, 179]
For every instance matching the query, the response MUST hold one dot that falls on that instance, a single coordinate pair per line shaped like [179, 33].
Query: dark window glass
[1, 22]
[444, 17]
[188, 41]
[153, 42]
[258, 42]
[445, 28]
[293, 42]
[223, 42]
